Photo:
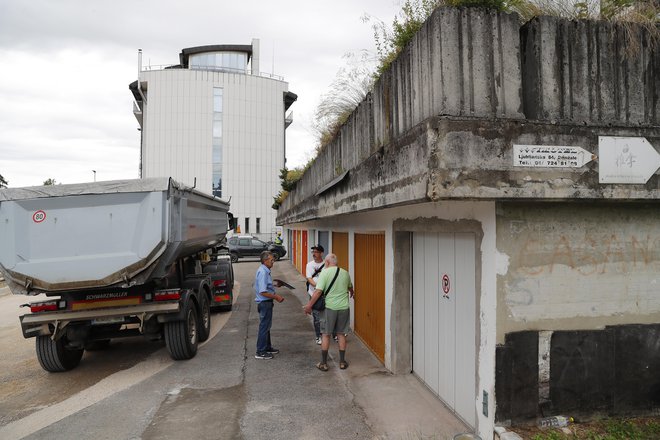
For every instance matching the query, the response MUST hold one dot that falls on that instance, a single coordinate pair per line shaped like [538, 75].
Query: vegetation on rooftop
[3, 182]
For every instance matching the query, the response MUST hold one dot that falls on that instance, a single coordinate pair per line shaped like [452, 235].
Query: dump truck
[109, 260]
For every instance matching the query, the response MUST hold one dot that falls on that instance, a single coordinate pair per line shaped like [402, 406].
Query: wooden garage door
[340, 248]
[370, 291]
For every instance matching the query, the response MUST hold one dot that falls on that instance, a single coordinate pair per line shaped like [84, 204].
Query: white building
[215, 120]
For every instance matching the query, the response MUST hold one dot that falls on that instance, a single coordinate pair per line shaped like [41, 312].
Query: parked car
[247, 246]
[222, 282]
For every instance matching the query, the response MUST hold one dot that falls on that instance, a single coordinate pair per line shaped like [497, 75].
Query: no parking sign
[446, 285]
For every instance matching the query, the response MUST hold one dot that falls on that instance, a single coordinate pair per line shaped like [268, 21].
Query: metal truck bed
[95, 235]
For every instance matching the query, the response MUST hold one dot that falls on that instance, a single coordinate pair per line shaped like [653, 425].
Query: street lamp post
[94, 171]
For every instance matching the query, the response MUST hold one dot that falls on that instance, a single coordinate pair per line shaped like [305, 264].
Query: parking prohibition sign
[445, 285]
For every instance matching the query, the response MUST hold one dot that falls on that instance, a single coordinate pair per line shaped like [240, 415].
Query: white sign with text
[626, 159]
[550, 156]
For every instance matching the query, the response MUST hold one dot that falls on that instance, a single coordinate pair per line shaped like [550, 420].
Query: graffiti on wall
[594, 261]
[590, 255]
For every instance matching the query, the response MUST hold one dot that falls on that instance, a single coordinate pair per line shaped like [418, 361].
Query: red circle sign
[445, 283]
[39, 216]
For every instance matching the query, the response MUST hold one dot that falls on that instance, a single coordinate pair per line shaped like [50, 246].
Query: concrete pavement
[225, 393]
[392, 407]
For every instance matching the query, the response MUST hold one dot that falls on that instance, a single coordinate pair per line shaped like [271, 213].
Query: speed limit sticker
[39, 216]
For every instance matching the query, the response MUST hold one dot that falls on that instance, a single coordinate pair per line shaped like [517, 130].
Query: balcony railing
[213, 69]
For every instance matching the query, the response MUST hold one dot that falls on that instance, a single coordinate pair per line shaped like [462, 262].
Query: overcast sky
[65, 66]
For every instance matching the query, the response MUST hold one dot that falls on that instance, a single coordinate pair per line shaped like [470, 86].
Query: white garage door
[444, 318]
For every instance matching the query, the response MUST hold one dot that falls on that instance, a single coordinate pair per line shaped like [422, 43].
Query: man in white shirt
[312, 272]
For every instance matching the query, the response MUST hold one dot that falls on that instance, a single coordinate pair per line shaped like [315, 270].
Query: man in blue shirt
[264, 290]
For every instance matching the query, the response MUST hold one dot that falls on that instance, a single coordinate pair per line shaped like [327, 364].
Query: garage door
[444, 318]
[370, 291]
[304, 251]
[340, 248]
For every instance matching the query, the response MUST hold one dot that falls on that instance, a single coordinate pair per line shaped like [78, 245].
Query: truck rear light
[167, 295]
[219, 283]
[46, 306]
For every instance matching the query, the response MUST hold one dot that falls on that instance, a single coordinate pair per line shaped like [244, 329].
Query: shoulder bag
[316, 272]
[319, 305]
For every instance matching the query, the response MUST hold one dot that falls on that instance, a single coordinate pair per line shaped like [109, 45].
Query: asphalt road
[134, 390]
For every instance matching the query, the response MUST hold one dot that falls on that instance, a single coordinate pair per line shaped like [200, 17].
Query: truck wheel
[181, 337]
[54, 356]
[204, 318]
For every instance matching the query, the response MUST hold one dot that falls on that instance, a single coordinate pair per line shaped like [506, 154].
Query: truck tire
[182, 337]
[54, 356]
[204, 317]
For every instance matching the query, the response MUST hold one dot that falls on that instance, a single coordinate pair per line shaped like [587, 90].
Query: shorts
[335, 321]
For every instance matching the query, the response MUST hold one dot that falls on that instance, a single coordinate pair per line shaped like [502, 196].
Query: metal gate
[444, 318]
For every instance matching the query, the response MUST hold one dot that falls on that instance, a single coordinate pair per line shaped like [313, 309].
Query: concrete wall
[432, 146]
[591, 72]
[572, 267]
[441, 121]
[462, 62]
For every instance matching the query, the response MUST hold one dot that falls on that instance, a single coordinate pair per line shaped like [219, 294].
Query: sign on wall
[626, 159]
[550, 156]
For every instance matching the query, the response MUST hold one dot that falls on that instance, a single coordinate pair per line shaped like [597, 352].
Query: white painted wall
[177, 136]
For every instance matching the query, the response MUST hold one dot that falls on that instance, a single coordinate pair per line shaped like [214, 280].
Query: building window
[258, 225]
[224, 61]
[216, 161]
[247, 225]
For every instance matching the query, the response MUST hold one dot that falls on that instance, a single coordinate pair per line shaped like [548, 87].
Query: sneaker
[263, 356]
[318, 341]
[272, 350]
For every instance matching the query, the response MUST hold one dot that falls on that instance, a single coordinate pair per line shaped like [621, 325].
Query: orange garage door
[370, 291]
[304, 251]
[340, 248]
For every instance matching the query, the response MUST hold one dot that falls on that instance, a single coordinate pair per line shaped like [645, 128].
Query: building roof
[185, 53]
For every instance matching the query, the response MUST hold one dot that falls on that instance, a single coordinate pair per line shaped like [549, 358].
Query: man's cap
[318, 247]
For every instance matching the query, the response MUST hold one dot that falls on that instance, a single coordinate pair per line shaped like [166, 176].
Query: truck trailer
[114, 259]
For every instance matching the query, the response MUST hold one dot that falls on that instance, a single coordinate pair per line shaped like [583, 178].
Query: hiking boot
[263, 356]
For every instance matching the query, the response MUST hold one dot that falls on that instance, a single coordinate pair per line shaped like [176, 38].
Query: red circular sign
[39, 216]
[445, 283]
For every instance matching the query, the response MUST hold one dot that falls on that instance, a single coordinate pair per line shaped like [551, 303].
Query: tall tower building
[216, 121]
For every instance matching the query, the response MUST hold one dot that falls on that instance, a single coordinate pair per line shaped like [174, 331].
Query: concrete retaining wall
[589, 71]
[585, 268]
[446, 113]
